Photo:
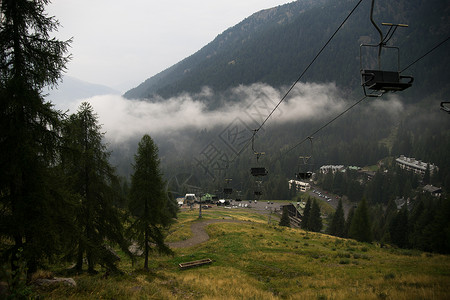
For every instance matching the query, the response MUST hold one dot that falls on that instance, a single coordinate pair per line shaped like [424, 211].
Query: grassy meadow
[257, 260]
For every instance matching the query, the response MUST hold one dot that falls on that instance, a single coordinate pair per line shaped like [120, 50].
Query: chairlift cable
[359, 101]
[255, 131]
[307, 68]
[310, 136]
[428, 52]
[342, 113]
[327, 124]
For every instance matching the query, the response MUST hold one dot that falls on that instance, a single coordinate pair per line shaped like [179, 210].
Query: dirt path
[199, 234]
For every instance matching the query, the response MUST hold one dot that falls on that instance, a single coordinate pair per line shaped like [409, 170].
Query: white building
[299, 186]
[332, 168]
[417, 166]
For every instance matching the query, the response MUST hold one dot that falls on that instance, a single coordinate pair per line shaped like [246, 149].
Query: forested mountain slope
[274, 46]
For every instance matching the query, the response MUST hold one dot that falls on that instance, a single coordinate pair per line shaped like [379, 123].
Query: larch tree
[92, 180]
[30, 202]
[150, 205]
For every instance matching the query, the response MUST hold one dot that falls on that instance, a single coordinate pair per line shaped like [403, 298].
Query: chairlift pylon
[376, 82]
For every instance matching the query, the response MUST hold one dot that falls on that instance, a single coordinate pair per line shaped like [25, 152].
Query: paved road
[333, 200]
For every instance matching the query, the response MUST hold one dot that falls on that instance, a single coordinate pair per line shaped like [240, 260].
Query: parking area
[260, 206]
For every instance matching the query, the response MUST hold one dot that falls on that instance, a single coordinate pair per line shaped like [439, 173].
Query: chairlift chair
[376, 82]
[258, 170]
[303, 175]
[227, 190]
[304, 166]
[445, 106]
[384, 81]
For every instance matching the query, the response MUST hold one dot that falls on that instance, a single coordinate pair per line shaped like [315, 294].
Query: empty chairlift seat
[387, 81]
[259, 171]
[304, 175]
[227, 191]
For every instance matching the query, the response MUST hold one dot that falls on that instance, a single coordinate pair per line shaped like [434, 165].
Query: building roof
[412, 162]
[432, 189]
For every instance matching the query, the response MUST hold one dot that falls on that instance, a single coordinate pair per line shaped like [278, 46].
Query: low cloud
[124, 119]
[390, 104]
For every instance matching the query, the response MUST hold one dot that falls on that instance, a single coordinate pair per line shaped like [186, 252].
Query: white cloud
[124, 119]
[390, 104]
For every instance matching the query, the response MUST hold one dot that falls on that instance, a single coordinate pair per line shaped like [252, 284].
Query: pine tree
[150, 204]
[398, 228]
[284, 221]
[92, 179]
[315, 219]
[337, 226]
[349, 220]
[360, 228]
[30, 202]
[306, 214]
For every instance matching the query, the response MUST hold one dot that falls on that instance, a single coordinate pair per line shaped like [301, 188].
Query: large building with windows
[299, 186]
[417, 166]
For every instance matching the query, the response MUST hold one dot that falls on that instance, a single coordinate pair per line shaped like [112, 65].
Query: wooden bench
[195, 263]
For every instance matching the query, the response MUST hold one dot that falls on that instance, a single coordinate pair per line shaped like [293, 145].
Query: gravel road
[199, 234]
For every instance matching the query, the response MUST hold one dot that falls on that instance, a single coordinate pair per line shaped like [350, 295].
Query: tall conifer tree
[398, 228]
[360, 228]
[150, 204]
[92, 179]
[306, 214]
[337, 226]
[285, 221]
[29, 61]
[315, 220]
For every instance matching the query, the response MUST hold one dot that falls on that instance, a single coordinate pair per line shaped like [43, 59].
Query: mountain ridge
[274, 45]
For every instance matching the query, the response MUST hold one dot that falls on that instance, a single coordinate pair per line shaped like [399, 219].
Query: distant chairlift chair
[227, 191]
[303, 175]
[445, 106]
[259, 171]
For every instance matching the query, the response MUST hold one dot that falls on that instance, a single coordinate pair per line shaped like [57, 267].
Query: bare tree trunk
[79, 265]
[146, 249]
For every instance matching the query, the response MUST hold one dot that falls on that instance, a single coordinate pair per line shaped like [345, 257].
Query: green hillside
[255, 260]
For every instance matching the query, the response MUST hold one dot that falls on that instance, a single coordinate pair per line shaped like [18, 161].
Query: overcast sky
[122, 43]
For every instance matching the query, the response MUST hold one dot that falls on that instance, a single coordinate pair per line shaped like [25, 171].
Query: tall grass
[254, 260]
